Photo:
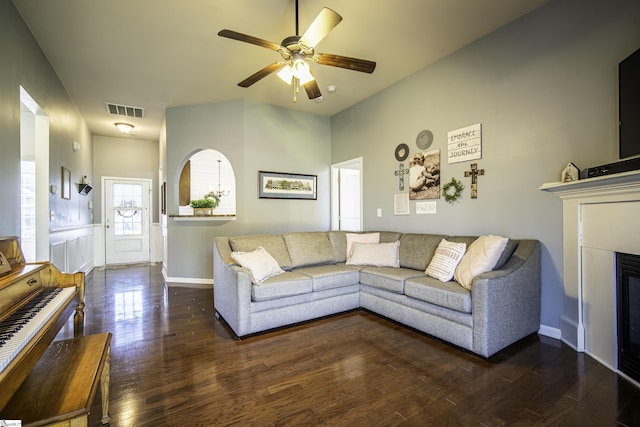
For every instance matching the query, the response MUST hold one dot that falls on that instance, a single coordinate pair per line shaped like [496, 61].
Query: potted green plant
[204, 206]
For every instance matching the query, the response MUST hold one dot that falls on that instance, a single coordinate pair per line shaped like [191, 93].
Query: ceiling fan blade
[272, 68]
[249, 39]
[313, 91]
[355, 64]
[326, 20]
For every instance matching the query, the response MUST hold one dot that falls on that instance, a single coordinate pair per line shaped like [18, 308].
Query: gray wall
[544, 89]
[22, 63]
[125, 158]
[253, 137]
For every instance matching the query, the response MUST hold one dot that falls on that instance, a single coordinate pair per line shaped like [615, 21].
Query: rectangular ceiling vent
[125, 110]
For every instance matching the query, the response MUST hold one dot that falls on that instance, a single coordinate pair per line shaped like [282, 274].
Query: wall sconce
[124, 128]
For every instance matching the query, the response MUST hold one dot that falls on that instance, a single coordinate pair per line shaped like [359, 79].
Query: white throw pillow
[360, 238]
[259, 262]
[445, 260]
[482, 256]
[375, 254]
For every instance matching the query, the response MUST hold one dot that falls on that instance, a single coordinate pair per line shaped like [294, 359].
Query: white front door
[127, 223]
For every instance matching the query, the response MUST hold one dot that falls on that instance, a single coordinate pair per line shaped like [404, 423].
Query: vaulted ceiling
[156, 54]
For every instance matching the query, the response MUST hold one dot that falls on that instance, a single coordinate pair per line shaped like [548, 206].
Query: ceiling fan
[297, 51]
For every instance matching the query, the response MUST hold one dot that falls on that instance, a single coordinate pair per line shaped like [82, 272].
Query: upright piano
[36, 300]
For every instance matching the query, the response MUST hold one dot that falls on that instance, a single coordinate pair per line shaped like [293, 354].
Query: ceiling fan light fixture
[124, 128]
[306, 78]
[286, 74]
[301, 71]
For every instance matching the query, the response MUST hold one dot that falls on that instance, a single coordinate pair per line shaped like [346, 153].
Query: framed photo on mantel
[278, 185]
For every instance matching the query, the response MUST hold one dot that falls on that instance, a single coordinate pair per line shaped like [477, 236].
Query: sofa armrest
[231, 289]
[506, 302]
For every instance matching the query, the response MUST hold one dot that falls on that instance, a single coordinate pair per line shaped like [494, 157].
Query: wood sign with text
[465, 144]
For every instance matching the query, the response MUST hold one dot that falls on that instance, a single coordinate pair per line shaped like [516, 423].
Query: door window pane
[127, 209]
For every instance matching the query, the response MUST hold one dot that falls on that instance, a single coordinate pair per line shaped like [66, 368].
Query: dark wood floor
[174, 364]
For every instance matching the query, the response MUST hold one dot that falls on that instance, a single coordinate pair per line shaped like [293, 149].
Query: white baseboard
[550, 332]
[187, 281]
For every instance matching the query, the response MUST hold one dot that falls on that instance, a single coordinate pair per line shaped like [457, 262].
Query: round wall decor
[402, 152]
[424, 139]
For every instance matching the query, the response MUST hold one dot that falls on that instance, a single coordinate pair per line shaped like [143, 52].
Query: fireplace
[628, 314]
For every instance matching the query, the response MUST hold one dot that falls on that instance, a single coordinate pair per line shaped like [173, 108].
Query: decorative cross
[400, 173]
[473, 173]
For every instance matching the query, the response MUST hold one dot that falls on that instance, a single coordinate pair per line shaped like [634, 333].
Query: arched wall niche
[201, 172]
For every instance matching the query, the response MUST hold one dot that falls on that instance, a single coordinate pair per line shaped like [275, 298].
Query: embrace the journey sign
[465, 144]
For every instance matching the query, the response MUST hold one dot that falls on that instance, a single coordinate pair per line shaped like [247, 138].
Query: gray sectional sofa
[502, 306]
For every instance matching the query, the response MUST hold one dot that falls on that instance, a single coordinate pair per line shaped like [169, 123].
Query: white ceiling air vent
[125, 110]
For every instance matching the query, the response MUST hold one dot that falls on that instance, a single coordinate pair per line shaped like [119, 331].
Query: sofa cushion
[445, 294]
[506, 254]
[482, 255]
[274, 244]
[389, 236]
[360, 238]
[416, 250]
[388, 278]
[468, 240]
[338, 241]
[331, 276]
[504, 257]
[375, 254]
[260, 263]
[284, 285]
[445, 260]
[312, 248]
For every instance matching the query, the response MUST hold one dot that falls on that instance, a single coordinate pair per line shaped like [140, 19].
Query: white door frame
[335, 191]
[149, 214]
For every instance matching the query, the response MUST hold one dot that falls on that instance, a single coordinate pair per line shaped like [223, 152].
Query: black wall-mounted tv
[629, 105]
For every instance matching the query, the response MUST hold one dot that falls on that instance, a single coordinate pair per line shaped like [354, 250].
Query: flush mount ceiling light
[298, 51]
[124, 128]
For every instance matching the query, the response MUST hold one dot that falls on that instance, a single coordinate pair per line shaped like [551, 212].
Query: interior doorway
[126, 220]
[34, 179]
[346, 195]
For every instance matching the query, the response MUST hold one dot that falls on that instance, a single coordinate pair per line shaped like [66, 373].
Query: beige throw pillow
[360, 238]
[375, 254]
[445, 260]
[482, 255]
[260, 263]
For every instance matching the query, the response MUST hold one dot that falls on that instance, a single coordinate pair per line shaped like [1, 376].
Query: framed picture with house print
[278, 185]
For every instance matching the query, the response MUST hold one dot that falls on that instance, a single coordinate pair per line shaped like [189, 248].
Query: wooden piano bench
[60, 389]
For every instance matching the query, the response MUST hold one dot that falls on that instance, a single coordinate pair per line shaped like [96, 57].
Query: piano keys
[36, 300]
[20, 328]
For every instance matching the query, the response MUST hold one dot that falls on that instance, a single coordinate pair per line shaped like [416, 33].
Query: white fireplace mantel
[608, 185]
[600, 217]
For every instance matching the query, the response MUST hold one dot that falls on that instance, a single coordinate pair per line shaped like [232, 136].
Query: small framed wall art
[66, 183]
[278, 185]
